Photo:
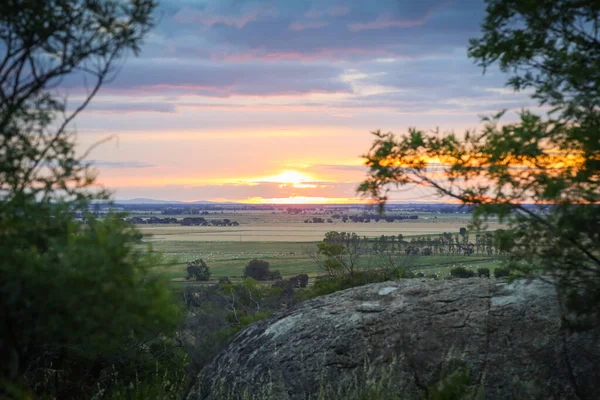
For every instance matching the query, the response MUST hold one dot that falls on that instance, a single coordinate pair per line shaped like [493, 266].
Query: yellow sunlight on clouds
[302, 200]
[290, 177]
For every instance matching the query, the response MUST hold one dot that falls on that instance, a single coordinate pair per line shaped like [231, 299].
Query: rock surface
[406, 336]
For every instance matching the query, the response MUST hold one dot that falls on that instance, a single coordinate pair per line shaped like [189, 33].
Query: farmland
[287, 242]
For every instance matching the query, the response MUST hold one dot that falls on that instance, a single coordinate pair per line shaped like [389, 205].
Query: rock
[404, 339]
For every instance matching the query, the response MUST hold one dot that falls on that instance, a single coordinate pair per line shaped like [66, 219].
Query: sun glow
[292, 178]
[303, 200]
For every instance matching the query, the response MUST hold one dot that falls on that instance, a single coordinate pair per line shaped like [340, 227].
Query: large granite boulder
[412, 339]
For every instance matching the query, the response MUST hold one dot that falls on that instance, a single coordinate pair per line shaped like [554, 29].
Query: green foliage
[483, 272]
[74, 296]
[257, 269]
[461, 272]
[454, 386]
[552, 47]
[216, 313]
[274, 275]
[501, 272]
[78, 304]
[341, 252]
[198, 270]
[331, 284]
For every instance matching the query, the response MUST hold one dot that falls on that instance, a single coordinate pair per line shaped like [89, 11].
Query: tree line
[187, 221]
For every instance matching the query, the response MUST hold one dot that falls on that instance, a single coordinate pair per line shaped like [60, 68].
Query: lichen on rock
[406, 339]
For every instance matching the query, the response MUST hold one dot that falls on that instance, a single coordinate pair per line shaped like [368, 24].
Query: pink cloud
[385, 21]
[299, 26]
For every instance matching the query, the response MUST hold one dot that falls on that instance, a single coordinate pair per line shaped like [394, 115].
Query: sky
[273, 101]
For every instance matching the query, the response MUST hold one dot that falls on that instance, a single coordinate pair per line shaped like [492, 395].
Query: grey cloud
[229, 29]
[127, 107]
[174, 76]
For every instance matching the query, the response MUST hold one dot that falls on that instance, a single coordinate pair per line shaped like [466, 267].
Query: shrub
[327, 285]
[302, 280]
[461, 272]
[455, 385]
[224, 280]
[274, 275]
[257, 269]
[483, 272]
[501, 272]
[198, 270]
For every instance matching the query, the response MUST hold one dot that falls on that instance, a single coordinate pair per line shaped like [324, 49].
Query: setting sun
[290, 177]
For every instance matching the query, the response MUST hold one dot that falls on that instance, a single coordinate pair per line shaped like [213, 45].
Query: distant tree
[551, 47]
[198, 270]
[341, 252]
[257, 269]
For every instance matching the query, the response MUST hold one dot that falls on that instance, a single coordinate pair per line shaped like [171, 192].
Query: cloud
[189, 15]
[121, 164]
[384, 22]
[214, 79]
[100, 106]
[338, 167]
[237, 191]
[333, 11]
[300, 26]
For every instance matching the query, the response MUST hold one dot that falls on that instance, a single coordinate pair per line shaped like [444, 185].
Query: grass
[285, 241]
[290, 258]
[286, 230]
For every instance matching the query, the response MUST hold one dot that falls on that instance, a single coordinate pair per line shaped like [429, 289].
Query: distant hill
[141, 200]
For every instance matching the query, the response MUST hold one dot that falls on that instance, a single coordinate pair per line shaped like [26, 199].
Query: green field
[291, 258]
[286, 243]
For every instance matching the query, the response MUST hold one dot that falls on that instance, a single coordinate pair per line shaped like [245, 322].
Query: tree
[75, 299]
[257, 269]
[198, 270]
[342, 252]
[552, 161]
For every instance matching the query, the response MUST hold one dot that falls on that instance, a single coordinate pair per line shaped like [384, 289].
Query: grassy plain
[286, 242]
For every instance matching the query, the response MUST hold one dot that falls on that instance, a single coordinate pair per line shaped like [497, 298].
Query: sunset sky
[273, 100]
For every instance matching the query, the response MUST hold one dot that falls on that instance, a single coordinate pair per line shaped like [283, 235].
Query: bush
[302, 280]
[501, 272]
[198, 270]
[483, 272]
[96, 266]
[327, 285]
[257, 269]
[274, 275]
[224, 280]
[461, 272]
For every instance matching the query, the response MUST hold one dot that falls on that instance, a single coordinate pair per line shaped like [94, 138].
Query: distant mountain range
[140, 200]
